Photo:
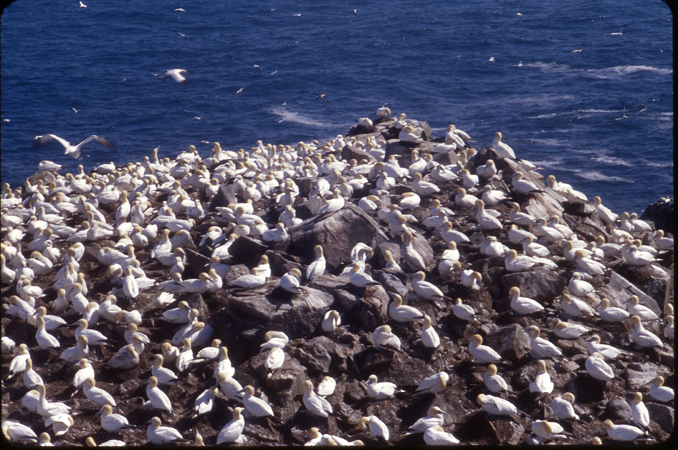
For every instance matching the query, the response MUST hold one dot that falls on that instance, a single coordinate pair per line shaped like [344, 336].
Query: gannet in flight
[177, 75]
[72, 150]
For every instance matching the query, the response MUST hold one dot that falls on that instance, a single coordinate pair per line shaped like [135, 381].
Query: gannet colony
[383, 287]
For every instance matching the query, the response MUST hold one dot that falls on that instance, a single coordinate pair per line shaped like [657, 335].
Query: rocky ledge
[399, 219]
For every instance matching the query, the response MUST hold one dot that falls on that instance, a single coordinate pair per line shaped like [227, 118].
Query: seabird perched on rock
[496, 405]
[501, 149]
[598, 368]
[659, 392]
[403, 313]
[483, 353]
[562, 406]
[622, 432]
[540, 347]
[493, 381]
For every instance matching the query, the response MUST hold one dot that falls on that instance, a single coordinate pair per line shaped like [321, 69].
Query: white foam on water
[611, 160]
[660, 165]
[629, 69]
[294, 117]
[594, 175]
[549, 67]
[551, 142]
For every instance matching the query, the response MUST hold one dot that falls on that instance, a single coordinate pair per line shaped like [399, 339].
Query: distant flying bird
[322, 97]
[177, 75]
[355, 12]
[72, 150]
[82, 5]
[577, 50]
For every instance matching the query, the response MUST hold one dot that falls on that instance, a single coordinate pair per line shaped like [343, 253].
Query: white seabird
[496, 405]
[598, 368]
[501, 149]
[256, 406]
[436, 416]
[542, 383]
[659, 392]
[177, 75]
[432, 384]
[377, 428]
[641, 416]
[622, 432]
[493, 381]
[643, 337]
[161, 435]
[403, 313]
[69, 149]
[562, 406]
[483, 353]
[540, 347]
[380, 390]
[232, 429]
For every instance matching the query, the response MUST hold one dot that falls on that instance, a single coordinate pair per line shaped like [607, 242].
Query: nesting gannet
[520, 218]
[562, 407]
[382, 336]
[185, 357]
[60, 424]
[641, 336]
[496, 405]
[326, 386]
[94, 337]
[542, 383]
[429, 335]
[162, 374]
[423, 188]
[485, 219]
[641, 416]
[598, 368]
[31, 377]
[523, 305]
[622, 432]
[435, 417]
[659, 392]
[97, 395]
[274, 339]
[161, 435]
[579, 287]
[159, 400]
[177, 75]
[254, 405]
[331, 321]
[380, 390]
[358, 278]
[611, 313]
[483, 353]
[575, 307]
[540, 347]
[44, 339]
[290, 280]
[518, 263]
[69, 149]
[450, 235]
[425, 289]
[18, 363]
[403, 313]
[471, 279]
[126, 358]
[274, 360]
[523, 186]
[317, 267]
[47, 409]
[410, 255]
[436, 435]
[250, 280]
[180, 314]
[86, 371]
[604, 212]
[204, 402]
[377, 428]
[641, 311]
[464, 199]
[18, 432]
[232, 430]
[607, 351]
[547, 430]
[110, 421]
[493, 381]
[501, 149]
[569, 330]
[432, 384]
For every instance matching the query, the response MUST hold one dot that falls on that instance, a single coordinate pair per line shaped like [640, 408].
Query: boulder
[510, 341]
[338, 233]
[297, 317]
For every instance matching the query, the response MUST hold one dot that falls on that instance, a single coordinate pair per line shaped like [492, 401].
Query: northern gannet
[69, 149]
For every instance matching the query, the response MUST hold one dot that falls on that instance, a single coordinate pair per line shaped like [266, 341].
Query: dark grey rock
[619, 410]
[511, 342]
[338, 233]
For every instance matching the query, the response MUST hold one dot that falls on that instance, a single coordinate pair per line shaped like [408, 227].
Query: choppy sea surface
[583, 89]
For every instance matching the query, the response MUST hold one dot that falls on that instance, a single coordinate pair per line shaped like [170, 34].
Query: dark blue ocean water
[600, 119]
